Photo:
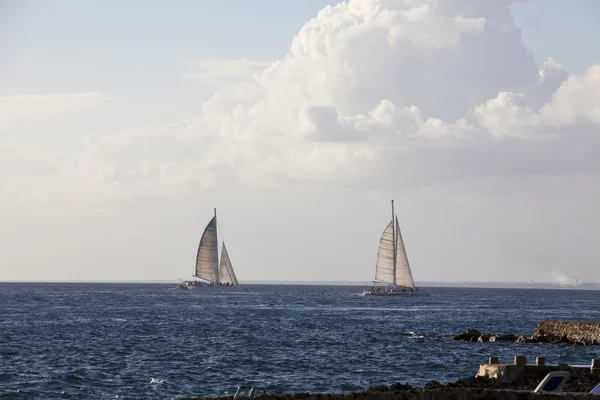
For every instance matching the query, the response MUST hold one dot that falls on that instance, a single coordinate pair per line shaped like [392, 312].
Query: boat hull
[394, 294]
[195, 284]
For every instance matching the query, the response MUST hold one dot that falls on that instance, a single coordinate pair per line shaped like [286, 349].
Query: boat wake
[416, 335]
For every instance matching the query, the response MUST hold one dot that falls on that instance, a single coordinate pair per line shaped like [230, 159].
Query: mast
[394, 241]
[217, 235]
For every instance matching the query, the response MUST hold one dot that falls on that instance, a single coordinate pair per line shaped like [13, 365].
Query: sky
[123, 124]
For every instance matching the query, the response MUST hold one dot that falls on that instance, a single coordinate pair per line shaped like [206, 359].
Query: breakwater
[584, 333]
[581, 333]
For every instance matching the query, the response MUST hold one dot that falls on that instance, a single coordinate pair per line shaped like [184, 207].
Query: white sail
[384, 271]
[403, 274]
[226, 274]
[207, 258]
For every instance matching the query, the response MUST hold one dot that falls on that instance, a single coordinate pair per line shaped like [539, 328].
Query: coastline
[425, 394]
[519, 384]
[577, 387]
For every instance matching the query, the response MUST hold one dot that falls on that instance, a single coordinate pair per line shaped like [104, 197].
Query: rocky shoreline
[578, 387]
[581, 333]
[435, 394]
[582, 384]
[493, 381]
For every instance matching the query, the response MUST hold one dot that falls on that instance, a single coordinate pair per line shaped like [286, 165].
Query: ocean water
[133, 341]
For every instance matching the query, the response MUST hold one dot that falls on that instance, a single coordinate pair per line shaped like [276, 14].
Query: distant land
[507, 285]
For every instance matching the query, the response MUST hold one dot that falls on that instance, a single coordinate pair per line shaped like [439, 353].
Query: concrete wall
[586, 333]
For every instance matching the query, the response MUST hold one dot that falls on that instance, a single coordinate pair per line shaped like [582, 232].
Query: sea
[143, 341]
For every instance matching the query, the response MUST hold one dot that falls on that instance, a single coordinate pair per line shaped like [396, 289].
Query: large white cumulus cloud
[421, 90]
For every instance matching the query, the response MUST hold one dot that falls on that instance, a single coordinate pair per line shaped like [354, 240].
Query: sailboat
[392, 269]
[209, 271]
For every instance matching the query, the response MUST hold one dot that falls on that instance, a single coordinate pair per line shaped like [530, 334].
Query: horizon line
[310, 282]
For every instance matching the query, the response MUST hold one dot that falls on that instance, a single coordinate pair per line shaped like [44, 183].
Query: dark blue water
[99, 341]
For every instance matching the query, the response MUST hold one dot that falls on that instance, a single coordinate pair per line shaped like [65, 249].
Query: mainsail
[226, 274]
[384, 271]
[207, 258]
[392, 262]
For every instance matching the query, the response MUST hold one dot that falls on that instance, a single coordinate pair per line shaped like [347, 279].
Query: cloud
[493, 159]
[415, 91]
[42, 106]
[576, 100]
[216, 71]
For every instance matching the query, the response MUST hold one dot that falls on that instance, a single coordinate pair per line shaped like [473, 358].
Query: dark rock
[509, 337]
[554, 339]
[432, 385]
[581, 380]
[396, 387]
[400, 386]
[484, 338]
[525, 339]
[470, 335]
[380, 388]
[554, 332]
[479, 382]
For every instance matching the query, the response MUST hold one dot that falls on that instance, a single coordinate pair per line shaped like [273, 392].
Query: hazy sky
[122, 124]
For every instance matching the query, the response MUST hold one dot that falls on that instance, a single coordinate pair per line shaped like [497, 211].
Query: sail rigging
[226, 274]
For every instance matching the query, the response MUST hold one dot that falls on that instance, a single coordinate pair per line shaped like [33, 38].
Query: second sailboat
[209, 271]
[392, 269]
